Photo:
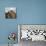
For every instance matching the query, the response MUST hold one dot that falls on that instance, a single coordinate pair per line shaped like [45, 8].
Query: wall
[28, 12]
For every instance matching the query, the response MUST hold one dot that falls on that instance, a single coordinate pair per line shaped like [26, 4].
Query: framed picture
[32, 32]
[10, 12]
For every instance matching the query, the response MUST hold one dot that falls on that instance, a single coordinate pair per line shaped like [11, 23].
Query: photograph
[30, 33]
[10, 12]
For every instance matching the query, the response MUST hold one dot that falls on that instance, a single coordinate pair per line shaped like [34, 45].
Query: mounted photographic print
[10, 13]
[32, 32]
